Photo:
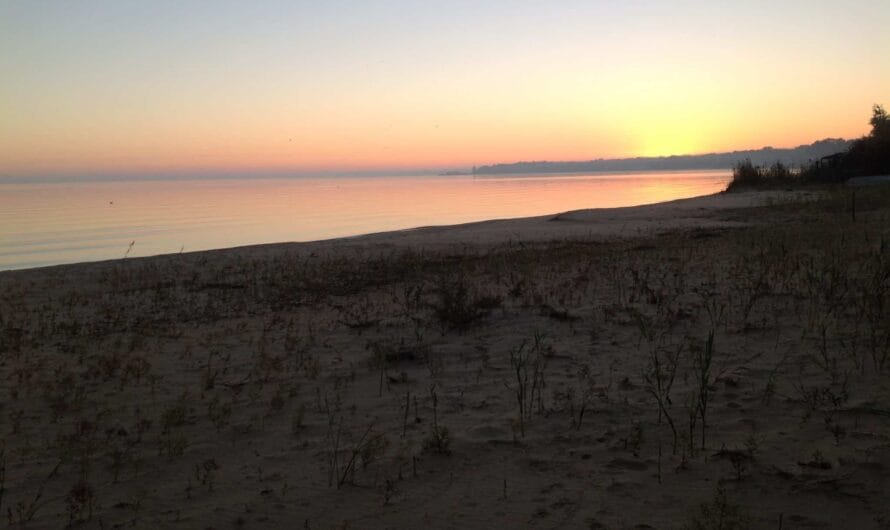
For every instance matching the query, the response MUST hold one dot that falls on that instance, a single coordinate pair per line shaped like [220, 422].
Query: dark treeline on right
[867, 156]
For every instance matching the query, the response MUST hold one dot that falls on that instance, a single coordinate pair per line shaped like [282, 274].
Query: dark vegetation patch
[867, 156]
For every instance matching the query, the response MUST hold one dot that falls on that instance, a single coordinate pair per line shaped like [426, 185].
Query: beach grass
[593, 382]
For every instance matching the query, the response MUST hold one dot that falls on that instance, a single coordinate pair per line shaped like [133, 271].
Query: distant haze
[101, 87]
[797, 156]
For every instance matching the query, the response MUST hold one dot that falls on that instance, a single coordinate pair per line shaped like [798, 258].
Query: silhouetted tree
[880, 122]
[870, 155]
[867, 156]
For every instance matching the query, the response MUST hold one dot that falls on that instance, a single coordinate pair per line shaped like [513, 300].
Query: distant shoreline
[768, 155]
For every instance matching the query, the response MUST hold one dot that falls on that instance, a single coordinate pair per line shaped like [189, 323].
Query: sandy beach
[722, 358]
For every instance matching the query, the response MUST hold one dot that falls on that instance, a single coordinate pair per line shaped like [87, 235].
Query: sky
[118, 87]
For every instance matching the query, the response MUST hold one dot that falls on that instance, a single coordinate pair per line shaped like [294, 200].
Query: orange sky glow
[252, 93]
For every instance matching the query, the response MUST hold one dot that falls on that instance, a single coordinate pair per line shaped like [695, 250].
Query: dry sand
[491, 375]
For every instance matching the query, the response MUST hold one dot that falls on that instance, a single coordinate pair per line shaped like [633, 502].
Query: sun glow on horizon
[301, 87]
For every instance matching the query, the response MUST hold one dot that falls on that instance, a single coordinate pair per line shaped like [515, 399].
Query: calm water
[52, 223]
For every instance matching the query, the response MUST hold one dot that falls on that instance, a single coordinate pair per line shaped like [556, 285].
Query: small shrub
[219, 413]
[438, 441]
[206, 472]
[173, 445]
[745, 175]
[296, 421]
[79, 501]
[277, 401]
[719, 514]
[458, 305]
[175, 414]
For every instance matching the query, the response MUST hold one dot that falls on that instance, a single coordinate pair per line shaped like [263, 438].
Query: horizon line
[254, 172]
